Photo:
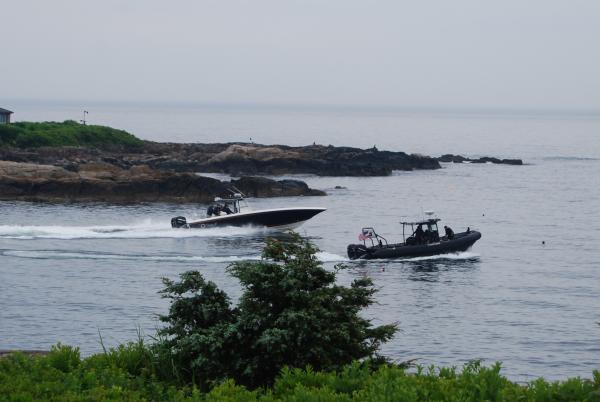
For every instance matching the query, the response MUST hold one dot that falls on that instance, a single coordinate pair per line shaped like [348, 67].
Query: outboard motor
[356, 251]
[179, 222]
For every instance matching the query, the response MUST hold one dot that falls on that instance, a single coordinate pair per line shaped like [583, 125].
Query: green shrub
[67, 133]
[62, 376]
[291, 313]
[64, 358]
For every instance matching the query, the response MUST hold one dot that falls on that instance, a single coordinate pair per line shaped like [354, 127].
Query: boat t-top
[423, 240]
[234, 211]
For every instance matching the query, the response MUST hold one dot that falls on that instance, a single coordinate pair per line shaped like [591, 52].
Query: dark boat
[419, 244]
[228, 212]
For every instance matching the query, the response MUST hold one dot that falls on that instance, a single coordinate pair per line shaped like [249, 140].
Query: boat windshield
[420, 232]
[224, 207]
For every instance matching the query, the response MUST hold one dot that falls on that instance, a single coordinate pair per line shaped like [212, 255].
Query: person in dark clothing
[427, 237]
[227, 210]
[209, 211]
[419, 234]
[449, 233]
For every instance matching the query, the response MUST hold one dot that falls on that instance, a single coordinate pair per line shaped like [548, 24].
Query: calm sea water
[70, 272]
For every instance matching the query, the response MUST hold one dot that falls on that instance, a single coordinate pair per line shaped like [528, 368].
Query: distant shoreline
[72, 162]
[311, 107]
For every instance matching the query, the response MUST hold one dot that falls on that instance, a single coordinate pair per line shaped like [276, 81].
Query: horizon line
[316, 107]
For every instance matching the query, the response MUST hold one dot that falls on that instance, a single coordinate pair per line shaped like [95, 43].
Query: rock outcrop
[263, 187]
[243, 159]
[237, 159]
[105, 182]
[484, 159]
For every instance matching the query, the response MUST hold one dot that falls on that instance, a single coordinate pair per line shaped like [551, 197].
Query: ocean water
[526, 294]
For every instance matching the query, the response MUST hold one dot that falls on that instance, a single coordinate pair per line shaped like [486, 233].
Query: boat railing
[370, 234]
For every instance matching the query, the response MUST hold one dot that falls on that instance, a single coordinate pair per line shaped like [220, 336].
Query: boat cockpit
[226, 206]
[420, 232]
[426, 232]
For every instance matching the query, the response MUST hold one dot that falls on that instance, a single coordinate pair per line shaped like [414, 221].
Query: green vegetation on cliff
[67, 133]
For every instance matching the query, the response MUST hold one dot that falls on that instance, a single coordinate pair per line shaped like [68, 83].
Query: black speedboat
[228, 212]
[422, 242]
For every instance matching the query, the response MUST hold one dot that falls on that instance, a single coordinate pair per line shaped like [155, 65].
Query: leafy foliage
[63, 376]
[291, 313]
[67, 133]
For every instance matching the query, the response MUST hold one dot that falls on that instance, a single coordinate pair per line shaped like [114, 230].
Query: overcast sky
[525, 54]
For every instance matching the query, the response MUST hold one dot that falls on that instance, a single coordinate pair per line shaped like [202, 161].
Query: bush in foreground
[67, 133]
[291, 313]
[125, 374]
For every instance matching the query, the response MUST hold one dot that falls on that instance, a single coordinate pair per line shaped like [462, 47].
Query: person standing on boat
[449, 233]
[419, 234]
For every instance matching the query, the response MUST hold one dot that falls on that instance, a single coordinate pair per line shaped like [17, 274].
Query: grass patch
[67, 133]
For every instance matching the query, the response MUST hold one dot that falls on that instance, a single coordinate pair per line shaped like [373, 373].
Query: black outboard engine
[179, 222]
[356, 251]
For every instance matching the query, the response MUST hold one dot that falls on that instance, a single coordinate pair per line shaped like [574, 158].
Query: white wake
[85, 255]
[135, 231]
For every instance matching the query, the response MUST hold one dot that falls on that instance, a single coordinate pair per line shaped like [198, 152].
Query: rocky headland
[70, 162]
[105, 182]
[236, 159]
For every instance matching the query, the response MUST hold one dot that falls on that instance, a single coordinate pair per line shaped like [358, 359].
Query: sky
[534, 54]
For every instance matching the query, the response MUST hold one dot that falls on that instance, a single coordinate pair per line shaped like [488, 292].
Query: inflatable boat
[423, 241]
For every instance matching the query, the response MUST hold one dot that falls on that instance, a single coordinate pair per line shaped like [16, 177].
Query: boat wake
[569, 158]
[136, 231]
[465, 255]
[89, 255]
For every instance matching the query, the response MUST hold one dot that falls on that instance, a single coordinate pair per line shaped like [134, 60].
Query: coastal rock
[236, 159]
[263, 187]
[485, 159]
[242, 159]
[104, 182]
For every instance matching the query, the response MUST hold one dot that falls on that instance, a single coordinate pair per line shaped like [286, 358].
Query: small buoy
[482, 214]
[543, 242]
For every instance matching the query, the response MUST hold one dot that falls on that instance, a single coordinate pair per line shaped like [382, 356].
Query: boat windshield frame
[430, 223]
[237, 202]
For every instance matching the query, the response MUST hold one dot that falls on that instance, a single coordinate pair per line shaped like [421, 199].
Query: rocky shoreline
[31, 353]
[236, 159]
[166, 172]
[103, 182]
[484, 159]
[241, 159]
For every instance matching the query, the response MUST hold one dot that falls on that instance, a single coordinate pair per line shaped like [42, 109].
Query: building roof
[5, 111]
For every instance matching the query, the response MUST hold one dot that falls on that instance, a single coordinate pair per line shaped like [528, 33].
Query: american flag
[365, 234]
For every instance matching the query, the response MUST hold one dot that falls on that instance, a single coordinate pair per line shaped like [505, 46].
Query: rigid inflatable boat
[421, 242]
